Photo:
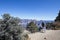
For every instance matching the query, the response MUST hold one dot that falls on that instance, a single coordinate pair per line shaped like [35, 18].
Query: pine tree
[58, 17]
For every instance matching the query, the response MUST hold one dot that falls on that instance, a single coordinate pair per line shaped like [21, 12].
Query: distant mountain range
[24, 22]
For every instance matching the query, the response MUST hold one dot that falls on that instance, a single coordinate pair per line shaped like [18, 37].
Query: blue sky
[31, 9]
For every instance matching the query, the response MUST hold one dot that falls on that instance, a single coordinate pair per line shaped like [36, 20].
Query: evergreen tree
[58, 17]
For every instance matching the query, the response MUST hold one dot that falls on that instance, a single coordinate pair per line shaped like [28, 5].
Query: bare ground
[48, 35]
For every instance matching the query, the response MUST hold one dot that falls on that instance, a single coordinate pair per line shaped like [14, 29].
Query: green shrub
[9, 28]
[32, 27]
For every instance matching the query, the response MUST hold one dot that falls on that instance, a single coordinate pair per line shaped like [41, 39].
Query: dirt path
[48, 35]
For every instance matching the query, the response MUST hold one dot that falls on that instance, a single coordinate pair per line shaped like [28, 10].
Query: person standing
[43, 27]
